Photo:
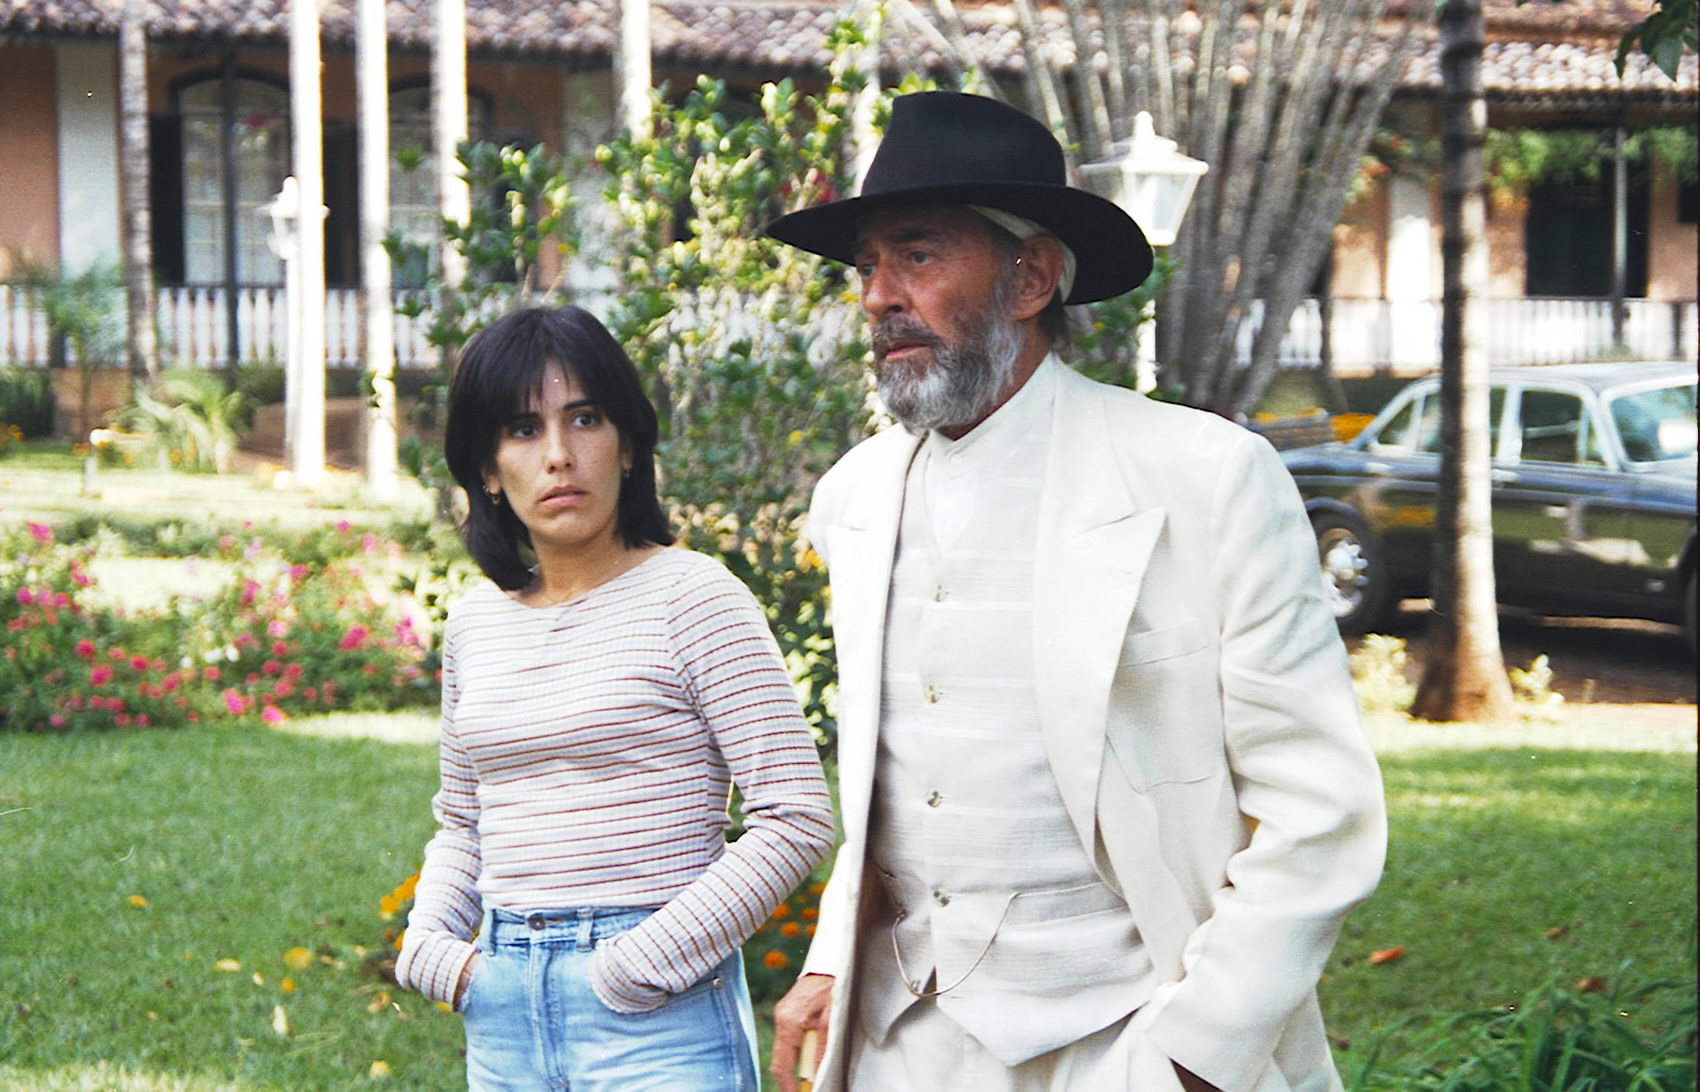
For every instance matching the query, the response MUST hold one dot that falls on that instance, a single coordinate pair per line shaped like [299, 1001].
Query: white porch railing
[1383, 335]
[1362, 334]
[194, 328]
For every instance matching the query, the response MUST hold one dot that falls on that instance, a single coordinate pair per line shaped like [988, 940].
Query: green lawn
[1510, 864]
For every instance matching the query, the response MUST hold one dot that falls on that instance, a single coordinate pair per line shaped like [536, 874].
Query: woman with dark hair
[601, 696]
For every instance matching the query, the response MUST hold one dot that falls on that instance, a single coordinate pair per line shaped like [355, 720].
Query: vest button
[940, 594]
[941, 896]
[933, 695]
[934, 799]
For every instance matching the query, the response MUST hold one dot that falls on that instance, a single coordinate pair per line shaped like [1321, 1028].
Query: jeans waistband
[582, 927]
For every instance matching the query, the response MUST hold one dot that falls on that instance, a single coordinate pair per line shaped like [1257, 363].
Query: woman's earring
[495, 495]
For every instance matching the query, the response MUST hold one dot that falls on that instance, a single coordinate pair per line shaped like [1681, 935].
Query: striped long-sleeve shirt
[587, 754]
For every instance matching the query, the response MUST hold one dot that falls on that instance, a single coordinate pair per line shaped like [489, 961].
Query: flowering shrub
[774, 955]
[278, 639]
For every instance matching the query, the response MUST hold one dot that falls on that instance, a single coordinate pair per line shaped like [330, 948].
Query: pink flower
[271, 667]
[138, 663]
[234, 702]
[211, 674]
[122, 720]
[354, 638]
[86, 649]
[142, 720]
[61, 600]
[41, 532]
[100, 675]
[25, 597]
[115, 654]
[277, 628]
[343, 527]
[279, 649]
[271, 714]
[369, 543]
[250, 589]
[57, 720]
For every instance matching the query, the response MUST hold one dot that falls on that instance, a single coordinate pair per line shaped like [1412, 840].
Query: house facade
[220, 125]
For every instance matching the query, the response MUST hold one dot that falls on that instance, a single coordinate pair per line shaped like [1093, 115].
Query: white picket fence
[1363, 334]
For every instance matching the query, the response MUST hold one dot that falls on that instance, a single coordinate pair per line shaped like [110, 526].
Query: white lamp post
[1152, 181]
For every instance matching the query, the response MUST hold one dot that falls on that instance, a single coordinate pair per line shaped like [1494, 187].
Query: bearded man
[1106, 801]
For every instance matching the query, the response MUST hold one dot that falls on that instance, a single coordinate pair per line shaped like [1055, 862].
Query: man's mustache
[889, 331]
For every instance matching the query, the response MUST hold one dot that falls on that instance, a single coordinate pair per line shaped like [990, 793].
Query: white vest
[1000, 912]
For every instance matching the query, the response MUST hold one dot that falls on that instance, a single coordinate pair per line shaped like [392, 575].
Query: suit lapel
[864, 545]
[1094, 544]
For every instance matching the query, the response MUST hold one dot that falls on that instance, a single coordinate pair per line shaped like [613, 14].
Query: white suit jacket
[1196, 709]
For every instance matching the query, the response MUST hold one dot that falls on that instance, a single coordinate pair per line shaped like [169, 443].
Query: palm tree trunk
[1464, 673]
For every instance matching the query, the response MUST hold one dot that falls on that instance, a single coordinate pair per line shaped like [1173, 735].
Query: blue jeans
[534, 1025]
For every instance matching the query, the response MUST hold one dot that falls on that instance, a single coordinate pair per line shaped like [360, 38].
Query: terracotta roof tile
[1539, 48]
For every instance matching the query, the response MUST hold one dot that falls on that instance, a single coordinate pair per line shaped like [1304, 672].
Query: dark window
[1568, 244]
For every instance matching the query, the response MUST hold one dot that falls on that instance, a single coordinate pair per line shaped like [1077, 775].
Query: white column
[307, 341]
[89, 230]
[371, 52]
[1412, 291]
[449, 124]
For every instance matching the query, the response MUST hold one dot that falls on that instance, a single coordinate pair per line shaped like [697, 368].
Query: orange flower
[1385, 955]
[783, 910]
[810, 913]
[776, 961]
[790, 929]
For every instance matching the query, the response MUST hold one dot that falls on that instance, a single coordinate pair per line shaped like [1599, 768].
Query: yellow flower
[140, 902]
[297, 959]
[287, 985]
[380, 1070]
[228, 965]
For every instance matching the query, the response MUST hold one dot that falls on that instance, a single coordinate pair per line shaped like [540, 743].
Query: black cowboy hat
[965, 149]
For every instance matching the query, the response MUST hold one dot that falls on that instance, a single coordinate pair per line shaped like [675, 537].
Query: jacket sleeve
[1302, 774]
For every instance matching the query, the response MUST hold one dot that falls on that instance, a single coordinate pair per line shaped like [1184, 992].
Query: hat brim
[1110, 251]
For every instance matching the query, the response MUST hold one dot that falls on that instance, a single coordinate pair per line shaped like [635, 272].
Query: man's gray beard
[966, 376]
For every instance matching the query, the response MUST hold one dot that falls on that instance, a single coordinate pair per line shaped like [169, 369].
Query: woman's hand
[465, 981]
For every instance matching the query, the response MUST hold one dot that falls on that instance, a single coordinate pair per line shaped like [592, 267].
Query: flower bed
[273, 638]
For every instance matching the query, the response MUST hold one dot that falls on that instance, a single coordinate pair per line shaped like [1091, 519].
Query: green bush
[26, 404]
[188, 420]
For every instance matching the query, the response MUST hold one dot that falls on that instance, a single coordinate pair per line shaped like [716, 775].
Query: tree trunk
[138, 212]
[1464, 673]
